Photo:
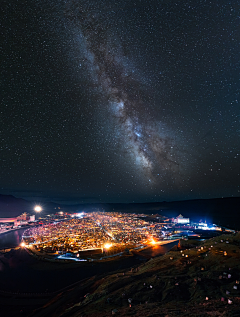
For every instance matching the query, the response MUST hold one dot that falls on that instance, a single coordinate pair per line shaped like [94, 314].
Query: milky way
[120, 101]
[150, 144]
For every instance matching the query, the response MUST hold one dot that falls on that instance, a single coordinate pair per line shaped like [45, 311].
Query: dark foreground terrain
[27, 282]
[194, 280]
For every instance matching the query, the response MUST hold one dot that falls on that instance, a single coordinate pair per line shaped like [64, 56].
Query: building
[181, 220]
[18, 221]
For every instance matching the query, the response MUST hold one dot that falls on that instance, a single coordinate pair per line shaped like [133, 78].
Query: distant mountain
[221, 211]
[11, 206]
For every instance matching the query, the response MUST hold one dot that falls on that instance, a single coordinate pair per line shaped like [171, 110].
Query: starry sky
[120, 101]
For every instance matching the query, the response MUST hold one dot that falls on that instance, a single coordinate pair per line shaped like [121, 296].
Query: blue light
[80, 215]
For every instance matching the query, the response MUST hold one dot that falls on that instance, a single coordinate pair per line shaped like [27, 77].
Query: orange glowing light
[107, 245]
[23, 244]
[153, 242]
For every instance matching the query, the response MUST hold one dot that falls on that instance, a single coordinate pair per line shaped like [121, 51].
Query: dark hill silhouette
[11, 206]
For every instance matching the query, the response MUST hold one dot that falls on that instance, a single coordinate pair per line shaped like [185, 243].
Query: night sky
[120, 101]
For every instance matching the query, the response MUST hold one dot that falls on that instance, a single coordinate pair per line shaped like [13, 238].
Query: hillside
[11, 206]
[198, 280]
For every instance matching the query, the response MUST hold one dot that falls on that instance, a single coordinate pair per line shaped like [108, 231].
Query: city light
[80, 214]
[99, 234]
[153, 242]
[38, 208]
[23, 244]
[107, 245]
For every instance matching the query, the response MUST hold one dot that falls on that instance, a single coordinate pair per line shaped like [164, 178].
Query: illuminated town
[103, 232]
[99, 234]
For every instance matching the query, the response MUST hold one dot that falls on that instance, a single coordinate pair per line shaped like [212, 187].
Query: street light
[153, 242]
[107, 245]
[38, 208]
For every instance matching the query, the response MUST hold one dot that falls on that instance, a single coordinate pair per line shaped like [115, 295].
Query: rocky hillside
[194, 280]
